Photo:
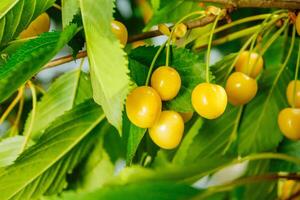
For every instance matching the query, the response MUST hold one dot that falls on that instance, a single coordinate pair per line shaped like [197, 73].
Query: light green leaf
[67, 91]
[16, 15]
[28, 60]
[42, 168]
[69, 9]
[108, 65]
[145, 191]
[10, 149]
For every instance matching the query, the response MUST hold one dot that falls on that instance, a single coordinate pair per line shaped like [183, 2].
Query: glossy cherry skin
[209, 100]
[240, 88]
[168, 130]
[38, 26]
[250, 64]
[166, 81]
[143, 106]
[298, 24]
[294, 100]
[120, 31]
[289, 123]
[186, 116]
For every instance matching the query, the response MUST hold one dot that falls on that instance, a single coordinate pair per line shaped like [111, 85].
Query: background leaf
[28, 60]
[53, 156]
[67, 91]
[10, 149]
[16, 15]
[108, 66]
[69, 9]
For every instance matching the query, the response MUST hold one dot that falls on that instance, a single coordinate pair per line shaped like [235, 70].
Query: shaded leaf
[42, 168]
[28, 60]
[10, 149]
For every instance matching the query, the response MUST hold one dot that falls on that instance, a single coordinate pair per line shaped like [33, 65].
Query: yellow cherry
[294, 100]
[250, 64]
[209, 100]
[240, 88]
[298, 23]
[143, 106]
[38, 26]
[166, 81]
[120, 31]
[289, 123]
[186, 116]
[168, 130]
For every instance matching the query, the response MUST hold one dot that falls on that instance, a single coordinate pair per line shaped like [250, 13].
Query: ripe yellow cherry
[143, 106]
[294, 100]
[187, 116]
[298, 23]
[167, 130]
[289, 123]
[120, 31]
[166, 81]
[38, 26]
[240, 88]
[250, 64]
[209, 100]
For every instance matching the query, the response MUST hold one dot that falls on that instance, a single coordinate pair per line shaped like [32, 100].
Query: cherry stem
[27, 134]
[209, 46]
[153, 63]
[17, 121]
[296, 77]
[173, 29]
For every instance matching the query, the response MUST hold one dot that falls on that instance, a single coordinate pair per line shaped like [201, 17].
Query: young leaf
[188, 64]
[15, 16]
[28, 60]
[10, 149]
[67, 91]
[145, 191]
[108, 65]
[42, 168]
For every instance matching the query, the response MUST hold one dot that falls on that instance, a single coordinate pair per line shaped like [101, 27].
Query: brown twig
[65, 59]
[283, 4]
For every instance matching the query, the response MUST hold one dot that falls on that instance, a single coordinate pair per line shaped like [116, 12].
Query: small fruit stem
[17, 121]
[209, 46]
[153, 62]
[201, 13]
[12, 105]
[34, 102]
[296, 77]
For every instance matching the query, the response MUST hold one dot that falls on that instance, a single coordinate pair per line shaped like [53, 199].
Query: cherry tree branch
[283, 4]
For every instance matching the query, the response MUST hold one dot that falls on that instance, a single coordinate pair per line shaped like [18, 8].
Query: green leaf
[146, 191]
[189, 65]
[258, 129]
[10, 149]
[67, 91]
[213, 137]
[108, 65]
[291, 148]
[42, 168]
[172, 12]
[132, 136]
[69, 9]
[29, 59]
[182, 152]
[16, 15]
